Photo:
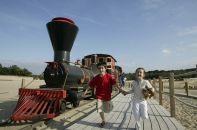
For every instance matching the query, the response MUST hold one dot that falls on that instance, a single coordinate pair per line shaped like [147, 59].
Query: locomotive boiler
[65, 82]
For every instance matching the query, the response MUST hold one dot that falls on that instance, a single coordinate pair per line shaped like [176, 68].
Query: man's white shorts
[104, 106]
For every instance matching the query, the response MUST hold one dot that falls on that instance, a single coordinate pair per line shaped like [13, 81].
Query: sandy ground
[9, 93]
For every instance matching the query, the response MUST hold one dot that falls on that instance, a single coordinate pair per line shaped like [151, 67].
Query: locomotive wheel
[73, 98]
[63, 106]
[76, 103]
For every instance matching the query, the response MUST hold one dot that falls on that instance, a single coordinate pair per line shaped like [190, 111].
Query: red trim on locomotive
[61, 19]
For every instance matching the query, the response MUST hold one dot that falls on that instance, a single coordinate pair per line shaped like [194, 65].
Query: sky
[154, 34]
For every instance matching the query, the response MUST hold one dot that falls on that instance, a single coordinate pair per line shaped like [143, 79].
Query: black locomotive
[60, 73]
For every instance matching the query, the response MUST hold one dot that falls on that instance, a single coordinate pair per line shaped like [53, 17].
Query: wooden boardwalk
[121, 118]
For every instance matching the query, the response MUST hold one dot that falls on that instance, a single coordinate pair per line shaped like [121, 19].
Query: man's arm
[88, 88]
[120, 89]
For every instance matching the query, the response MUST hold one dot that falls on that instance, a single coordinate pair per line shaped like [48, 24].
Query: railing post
[154, 86]
[23, 83]
[172, 97]
[186, 88]
[160, 91]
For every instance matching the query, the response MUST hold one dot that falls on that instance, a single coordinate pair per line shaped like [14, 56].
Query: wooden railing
[171, 93]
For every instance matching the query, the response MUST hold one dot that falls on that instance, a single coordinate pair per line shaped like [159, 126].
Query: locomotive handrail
[68, 62]
[65, 80]
[76, 64]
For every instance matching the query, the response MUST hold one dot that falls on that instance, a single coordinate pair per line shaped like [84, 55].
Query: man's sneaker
[102, 124]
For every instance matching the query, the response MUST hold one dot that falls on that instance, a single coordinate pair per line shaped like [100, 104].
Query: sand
[9, 93]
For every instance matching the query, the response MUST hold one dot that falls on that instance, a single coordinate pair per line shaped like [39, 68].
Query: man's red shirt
[103, 85]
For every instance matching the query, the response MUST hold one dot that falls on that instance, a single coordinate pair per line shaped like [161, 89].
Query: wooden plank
[127, 115]
[107, 118]
[88, 118]
[160, 120]
[132, 122]
[116, 124]
[97, 120]
[175, 123]
[165, 117]
[122, 117]
[115, 113]
[82, 123]
[153, 121]
[147, 124]
[93, 120]
[79, 124]
[171, 122]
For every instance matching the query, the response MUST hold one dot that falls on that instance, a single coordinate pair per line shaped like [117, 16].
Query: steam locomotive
[64, 82]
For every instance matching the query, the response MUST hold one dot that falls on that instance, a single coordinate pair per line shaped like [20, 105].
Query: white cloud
[166, 51]
[188, 31]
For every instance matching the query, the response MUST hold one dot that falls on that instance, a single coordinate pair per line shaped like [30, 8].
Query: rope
[185, 103]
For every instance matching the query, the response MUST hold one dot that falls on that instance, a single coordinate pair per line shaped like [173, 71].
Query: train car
[65, 82]
[91, 60]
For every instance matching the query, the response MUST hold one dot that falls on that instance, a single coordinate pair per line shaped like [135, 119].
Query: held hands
[85, 93]
[124, 92]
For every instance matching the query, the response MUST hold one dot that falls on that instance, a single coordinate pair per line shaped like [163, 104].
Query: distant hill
[164, 73]
[14, 70]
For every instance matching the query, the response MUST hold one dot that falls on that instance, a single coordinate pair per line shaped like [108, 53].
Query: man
[103, 83]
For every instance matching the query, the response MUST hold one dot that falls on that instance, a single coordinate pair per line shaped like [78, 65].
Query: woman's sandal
[102, 124]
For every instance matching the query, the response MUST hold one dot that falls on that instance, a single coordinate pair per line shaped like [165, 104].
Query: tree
[14, 70]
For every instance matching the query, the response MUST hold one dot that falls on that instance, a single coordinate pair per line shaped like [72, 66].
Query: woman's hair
[140, 68]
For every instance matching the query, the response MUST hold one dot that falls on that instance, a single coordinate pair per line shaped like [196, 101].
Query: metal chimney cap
[62, 19]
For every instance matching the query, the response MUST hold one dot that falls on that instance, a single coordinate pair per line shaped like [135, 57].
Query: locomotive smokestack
[62, 32]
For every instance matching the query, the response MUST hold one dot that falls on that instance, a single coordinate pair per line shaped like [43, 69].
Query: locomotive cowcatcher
[64, 82]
